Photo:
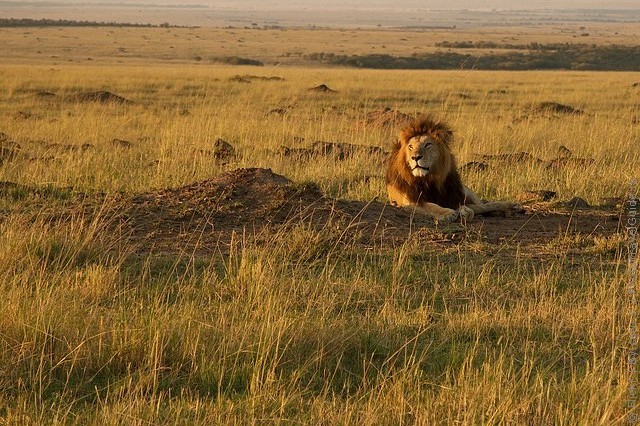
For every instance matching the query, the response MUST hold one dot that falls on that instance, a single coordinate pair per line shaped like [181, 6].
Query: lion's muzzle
[418, 169]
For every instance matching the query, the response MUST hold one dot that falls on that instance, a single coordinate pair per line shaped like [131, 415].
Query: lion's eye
[410, 146]
[428, 144]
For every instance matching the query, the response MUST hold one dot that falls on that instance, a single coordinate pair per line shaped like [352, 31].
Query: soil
[556, 108]
[256, 203]
[322, 88]
[536, 228]
[101, 96]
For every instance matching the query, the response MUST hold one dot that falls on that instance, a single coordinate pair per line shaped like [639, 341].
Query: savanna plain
[153, 271]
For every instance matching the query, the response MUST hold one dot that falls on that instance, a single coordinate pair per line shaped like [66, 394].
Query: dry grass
[297, 328]
[197, 46]
[178, 114]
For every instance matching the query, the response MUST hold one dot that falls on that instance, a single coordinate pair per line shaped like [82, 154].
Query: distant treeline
[482, 44]
[11, 22]
[234, 60]
[561, 57]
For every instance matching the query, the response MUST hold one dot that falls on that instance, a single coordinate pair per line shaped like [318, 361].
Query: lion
[422, 175]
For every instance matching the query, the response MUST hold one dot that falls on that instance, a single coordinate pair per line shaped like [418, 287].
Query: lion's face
[422, 155]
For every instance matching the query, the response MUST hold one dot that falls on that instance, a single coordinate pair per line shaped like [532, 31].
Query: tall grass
[179, 114]
[272, 333]
[306, 326]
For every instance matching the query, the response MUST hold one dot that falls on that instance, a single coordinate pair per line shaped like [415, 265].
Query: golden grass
[351, 337]
[178, 113]
[196, 46]
[300, 329]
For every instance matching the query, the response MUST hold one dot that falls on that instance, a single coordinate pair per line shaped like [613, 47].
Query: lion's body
[422, 174]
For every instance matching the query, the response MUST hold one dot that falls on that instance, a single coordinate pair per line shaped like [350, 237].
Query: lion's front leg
[440, 214]
[446, 215]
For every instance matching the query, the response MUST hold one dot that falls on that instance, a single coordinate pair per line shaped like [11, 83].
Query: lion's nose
[416, 157]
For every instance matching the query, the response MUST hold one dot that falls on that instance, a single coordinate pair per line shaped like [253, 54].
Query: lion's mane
[443, 185]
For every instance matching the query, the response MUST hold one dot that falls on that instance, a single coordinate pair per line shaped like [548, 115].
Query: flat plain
[189, 242]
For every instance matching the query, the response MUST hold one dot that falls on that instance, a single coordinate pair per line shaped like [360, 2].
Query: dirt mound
[249, 77]
[121, 143]
[536, 195]
[515, 157]
[548, 110]
[564, 152]
[281, 111]
[244, 198]
[388, 117]
[565, 162]
[100, 96]
[323, 88]
[43, 94]
[474, 166]
[556, 108]
[343, 150]
[336, 150]
[256, 203]
[575, 203]
[223, 150]
[564, 159]
[231, 200]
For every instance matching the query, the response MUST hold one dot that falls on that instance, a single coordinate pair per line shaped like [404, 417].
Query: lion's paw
[448, 215]
[466, 214]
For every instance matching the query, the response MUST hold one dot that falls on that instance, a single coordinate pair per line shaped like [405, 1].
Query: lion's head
[421, 167]
[422, 151]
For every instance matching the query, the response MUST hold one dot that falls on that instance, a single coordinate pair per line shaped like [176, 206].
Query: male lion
[422, 174]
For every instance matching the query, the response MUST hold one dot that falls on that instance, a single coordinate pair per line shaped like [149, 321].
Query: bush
[236, 60]
[537, 57]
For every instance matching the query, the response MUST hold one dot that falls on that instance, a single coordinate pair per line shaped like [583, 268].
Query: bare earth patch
[100, 96]
[256, 203]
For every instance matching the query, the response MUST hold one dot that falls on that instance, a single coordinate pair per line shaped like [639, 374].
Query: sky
[442, 4]
[385, 4]
[328, 13]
